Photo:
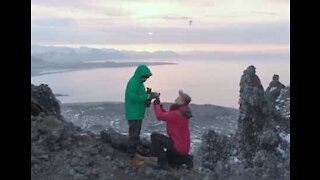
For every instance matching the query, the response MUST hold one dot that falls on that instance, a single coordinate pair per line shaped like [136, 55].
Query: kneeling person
[177, 142]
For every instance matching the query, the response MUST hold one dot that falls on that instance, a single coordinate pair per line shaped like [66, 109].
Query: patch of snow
[146, 134]
[197, 141]
[273, 88]
[99, 108]
[285, 137]
[234, 159]
[281, 150]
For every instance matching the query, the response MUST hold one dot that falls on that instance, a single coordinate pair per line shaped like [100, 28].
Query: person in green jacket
[136, 100]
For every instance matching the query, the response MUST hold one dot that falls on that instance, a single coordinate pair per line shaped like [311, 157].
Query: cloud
[56, 22]
[130, 22]
[279, 1]
[176, 17]
[62, 3]
[229, 16]
[76, 9]
[250, 33]
[263, 12]
[200, 2]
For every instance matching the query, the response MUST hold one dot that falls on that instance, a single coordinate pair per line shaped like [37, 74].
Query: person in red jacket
[177, 143]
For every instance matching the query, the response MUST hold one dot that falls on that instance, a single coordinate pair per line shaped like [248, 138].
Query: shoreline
[99, 103]
[88, 66]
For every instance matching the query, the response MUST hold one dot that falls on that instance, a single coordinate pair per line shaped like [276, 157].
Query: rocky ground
[259, 148]
[61, 150]
[96, 117]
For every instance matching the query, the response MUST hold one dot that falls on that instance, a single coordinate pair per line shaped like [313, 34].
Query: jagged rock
[36, 108]
[269, 140]
[120, 141]
[60, 150]
[116, 139]
[282, 110]
[257, 150]
[215, 146]
[255, 111]
[43, 100]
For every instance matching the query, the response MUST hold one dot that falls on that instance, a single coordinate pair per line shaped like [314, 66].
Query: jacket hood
[186, 113]
[184, 109]
[142, 70]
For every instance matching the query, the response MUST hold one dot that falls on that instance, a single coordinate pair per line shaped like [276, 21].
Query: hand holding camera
[151, 95]
[156, 101]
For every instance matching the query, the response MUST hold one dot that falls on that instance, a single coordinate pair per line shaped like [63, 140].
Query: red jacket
[177, 119]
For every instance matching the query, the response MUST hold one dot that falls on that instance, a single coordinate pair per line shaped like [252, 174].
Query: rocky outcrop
[282, 110]
[120, 142]
[43, 100]
[260, 148]
[60, 150]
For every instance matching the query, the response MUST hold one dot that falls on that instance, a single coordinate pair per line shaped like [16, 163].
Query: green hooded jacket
[136, 94]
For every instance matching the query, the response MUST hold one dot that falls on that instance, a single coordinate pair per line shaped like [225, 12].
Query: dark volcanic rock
[43, 100]
[115, 139]
[120, 142]
[259, 149]
[60, 150]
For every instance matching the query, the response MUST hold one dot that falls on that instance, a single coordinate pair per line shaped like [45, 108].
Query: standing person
[177, 142]
[136, 98]
[274, 88]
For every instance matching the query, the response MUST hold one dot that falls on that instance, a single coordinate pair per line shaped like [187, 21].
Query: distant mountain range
[49, 60]
[76, 55]
[66, 54]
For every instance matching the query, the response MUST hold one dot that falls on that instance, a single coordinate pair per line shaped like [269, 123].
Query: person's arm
[161, 114]
[268, 88]
[131, 92]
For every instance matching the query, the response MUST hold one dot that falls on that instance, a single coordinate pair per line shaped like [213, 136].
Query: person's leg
[159, 142]
[134, 135]
[176, 159]
[171, 158]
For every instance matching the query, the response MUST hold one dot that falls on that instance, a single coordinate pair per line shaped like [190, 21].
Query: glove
[148, 90]
[148, 101]
[156, 101]
[154, 95]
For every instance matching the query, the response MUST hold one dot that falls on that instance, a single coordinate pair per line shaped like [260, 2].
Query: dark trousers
[171, 156]
[159, 142]
[134, 135]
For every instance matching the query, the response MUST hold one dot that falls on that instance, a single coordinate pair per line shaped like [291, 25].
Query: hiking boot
[137, 162]
[146, 159]
[189, 164]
